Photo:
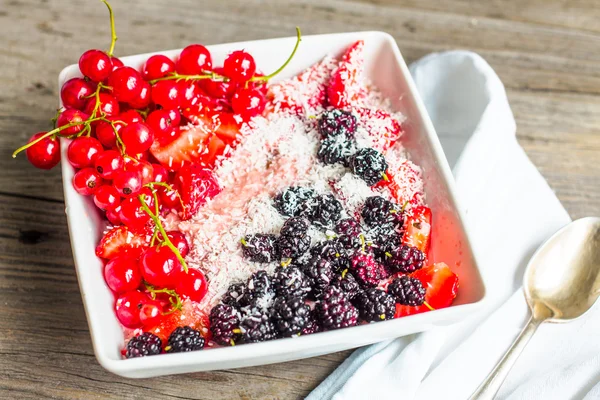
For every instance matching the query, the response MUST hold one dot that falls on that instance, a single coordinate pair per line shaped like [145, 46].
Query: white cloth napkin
[510, 211]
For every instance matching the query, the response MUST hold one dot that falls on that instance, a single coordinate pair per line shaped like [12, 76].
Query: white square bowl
[386, 68]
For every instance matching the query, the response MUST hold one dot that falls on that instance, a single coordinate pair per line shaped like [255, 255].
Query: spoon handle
[488, 388]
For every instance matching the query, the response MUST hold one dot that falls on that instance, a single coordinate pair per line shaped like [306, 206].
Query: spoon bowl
[561, 283]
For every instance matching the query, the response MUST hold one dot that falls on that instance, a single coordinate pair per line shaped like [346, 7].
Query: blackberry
[369, 165]
[235, 295]
[256, 326]
[348, 230]
[375, 305]
[336, 149]
[290, 202]
[335, 311]
[259, 288]
[184, 339]
[146, 344]
[259, 247]
[337, 122]
[312, 325]
[295, 227]
[332, 251]
[378, 211]
[367, 271]
[404, 258]
[408, 291]
[291, 282]
[320, 273]
[291, 247]
[224, 324]
[325, 210]
[347, 282]
[290, 315]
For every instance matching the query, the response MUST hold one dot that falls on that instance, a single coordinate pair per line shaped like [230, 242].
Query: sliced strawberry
[405, 183]
[119, 241]
[346, 87]
[226, 127]
[216, 147]
[188, 147]
[188, 316]
[195, 184]
[441, 286]
[418, 228]
[383, 127]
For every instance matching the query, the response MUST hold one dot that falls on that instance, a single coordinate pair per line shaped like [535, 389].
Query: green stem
[267, 77]
[113, 32]
[209, 75]
[165, 238]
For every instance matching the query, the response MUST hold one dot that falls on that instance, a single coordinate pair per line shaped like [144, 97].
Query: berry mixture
[240, 210]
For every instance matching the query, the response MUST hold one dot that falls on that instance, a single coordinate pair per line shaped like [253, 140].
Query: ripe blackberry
[259, 289]
[325, 210]
[337, 122]
[335, 311]
[292, 247]
[367, 271]
[378, 211]
[146, 344]
[375, 305]
[348, 231]
[332, 251]
[259, 247]
[369, 165]
[295, 227]
[404, 258]
[291, 282]
[336, 149]
[320, 273]
[224, 324]
[290, 315]
[347, 282]
[290, 202]
[312, 325]
[408, 291]
[184, 339]
[235, 295]
[256, 326]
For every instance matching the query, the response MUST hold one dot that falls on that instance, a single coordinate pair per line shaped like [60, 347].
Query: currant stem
[267, 77]
[165, 238]
[177, 304]
[113, 32]
[428, 306]
[211, 75]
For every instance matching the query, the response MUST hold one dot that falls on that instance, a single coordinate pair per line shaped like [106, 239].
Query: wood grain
[546, 52]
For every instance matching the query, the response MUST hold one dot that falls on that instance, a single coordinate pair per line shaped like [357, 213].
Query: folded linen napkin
[510, 210]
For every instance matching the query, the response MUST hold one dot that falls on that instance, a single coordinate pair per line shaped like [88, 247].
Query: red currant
[113, 216]
[162, 125]
[122, 274]
[150, 314]
[74, 93]
[178, 239]
[165, 94]
[116, 63]
[107, 198]
[160, 267]
[133, 214]
[106, 133]
[143, 99]
[45, 154]
[194, 60]
[192, 285]
[239, 66]
[127, 308]
[158, 66]
[160, 173]
[109, 163]
[219, 89]
[189, 93]
[145, 169]
[130, 117]
[137, 138]
[126, 84]
[175, 116]
[86, 181]
[108, 105]
[68, 117]
[96, 65]
[248, 103]
[82, 151]
[169, 199]
[127, 182]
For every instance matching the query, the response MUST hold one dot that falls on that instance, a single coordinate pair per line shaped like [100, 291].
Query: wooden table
[546, 52]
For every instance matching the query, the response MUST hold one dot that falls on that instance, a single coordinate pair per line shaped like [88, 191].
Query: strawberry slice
[216, 148]
[418, 228]
[120, 241]
[441, 285]
[345, 87]
[188, 147]
[195, 184]
[405, 183]
[188, 316]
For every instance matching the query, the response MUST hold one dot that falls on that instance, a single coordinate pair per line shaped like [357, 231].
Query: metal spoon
[561, 283]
